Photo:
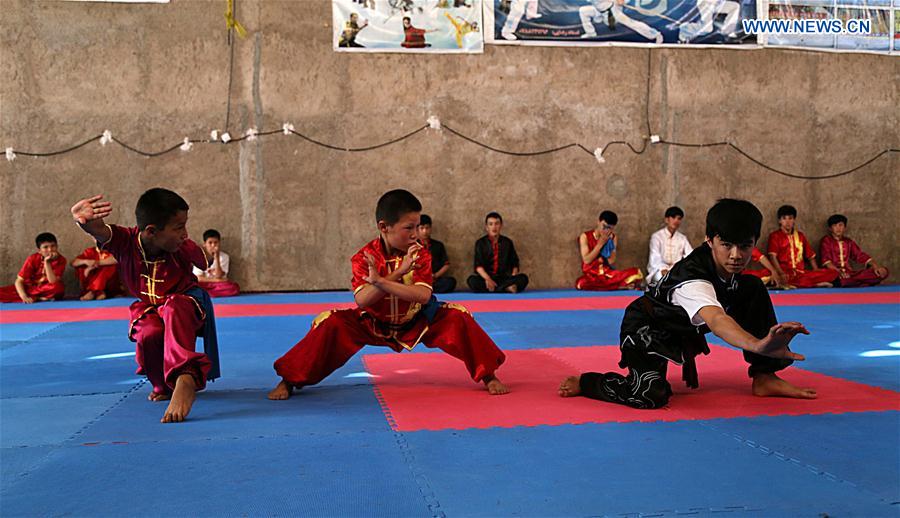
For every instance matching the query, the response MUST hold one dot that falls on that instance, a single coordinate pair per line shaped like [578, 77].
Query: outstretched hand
[775, 344]
[90, 209]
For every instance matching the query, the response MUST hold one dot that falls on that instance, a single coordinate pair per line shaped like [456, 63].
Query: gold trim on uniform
[321, 318]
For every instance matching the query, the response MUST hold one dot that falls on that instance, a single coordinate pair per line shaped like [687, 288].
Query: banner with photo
[723, 23]
[592, 22]
[430, 26]
[881, 35]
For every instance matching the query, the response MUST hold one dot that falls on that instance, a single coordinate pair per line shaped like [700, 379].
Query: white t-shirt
[223, 263]
[692, 296]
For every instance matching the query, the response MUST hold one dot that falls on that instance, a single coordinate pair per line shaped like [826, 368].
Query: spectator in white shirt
[667, 246]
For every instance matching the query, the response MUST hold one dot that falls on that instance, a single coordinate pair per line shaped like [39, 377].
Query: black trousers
[445, 284]
[645, 386]
[477, 284]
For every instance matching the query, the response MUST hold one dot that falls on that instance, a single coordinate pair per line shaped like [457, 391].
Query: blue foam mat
[41, 421]
[346, 474]
[618, 469]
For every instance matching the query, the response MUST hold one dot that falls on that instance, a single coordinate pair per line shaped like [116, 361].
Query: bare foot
[825, 285]
[155, 396]
[101, 296]
[496, 387]
[182, 400]
[570, 387]
[88, 296]
[512, 289]
[283, 390]
[770, 385]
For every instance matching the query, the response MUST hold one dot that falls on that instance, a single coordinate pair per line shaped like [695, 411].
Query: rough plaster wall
[292, 213]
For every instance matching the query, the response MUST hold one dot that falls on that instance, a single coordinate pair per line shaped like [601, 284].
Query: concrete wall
[292, 213]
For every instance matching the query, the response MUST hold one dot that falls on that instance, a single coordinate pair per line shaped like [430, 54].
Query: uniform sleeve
[360, 271]
[857, 254]
[774, 244]
[119, 241]
[656, 262]
[693, 296]
[480, 259]
[224, 262]
[59, 266]
[28, 268]
[826, 251]
[513, 256]
[195, 254]
[755, 255]
[422, 274]
[808, 252]
[439, 255]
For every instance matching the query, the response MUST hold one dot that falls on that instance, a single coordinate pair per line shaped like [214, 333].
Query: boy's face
[402, 234]
[170, 237]
[787, 223]
[493, 227]
[730, 258]
[673, 223]
[838, 229]
[424, 232]
[211, 245]
[48, 249]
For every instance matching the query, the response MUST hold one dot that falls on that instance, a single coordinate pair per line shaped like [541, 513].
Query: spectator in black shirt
[496, 261]
[440, 263]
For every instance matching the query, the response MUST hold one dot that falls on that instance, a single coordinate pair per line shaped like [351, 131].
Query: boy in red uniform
[392, 287]
[155, 260]
[97, 274]
[40, 278]
[598, 255]
[788, 247]
[839, 251]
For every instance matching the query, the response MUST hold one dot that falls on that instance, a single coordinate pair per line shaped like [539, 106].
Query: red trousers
[810, 279]
[865, 277]
[337, 335]
[764, 274]
[48, 290]
[221, 288]
[608, 280]
[166, 337]
[100, 279]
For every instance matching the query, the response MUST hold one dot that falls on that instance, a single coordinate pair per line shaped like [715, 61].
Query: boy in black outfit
[704, 292]
[496, 261]
[440, 262]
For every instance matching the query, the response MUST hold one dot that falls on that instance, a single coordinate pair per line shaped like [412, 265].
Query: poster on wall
[847, 25]
[593, 22]
[428, 26]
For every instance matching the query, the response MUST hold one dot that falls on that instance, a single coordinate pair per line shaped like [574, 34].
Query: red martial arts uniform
[36, 283]
[763, 273]
[337, 335]
[100, 278]
[842, 253]
[165, 322]
[600, 276]
[791, 250]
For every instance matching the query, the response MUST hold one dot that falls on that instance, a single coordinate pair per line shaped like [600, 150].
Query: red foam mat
[431, 391]
[511, 304]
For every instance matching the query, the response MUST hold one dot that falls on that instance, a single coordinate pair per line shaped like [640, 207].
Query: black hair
[157, 206]
[834, 219]
[787, 210]
[493, 215]
[44, 237]
[609, 217]
[212, 233]
[407, 19]
[735, 221]
[674, 212]
[424, 219]
[394, 204]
